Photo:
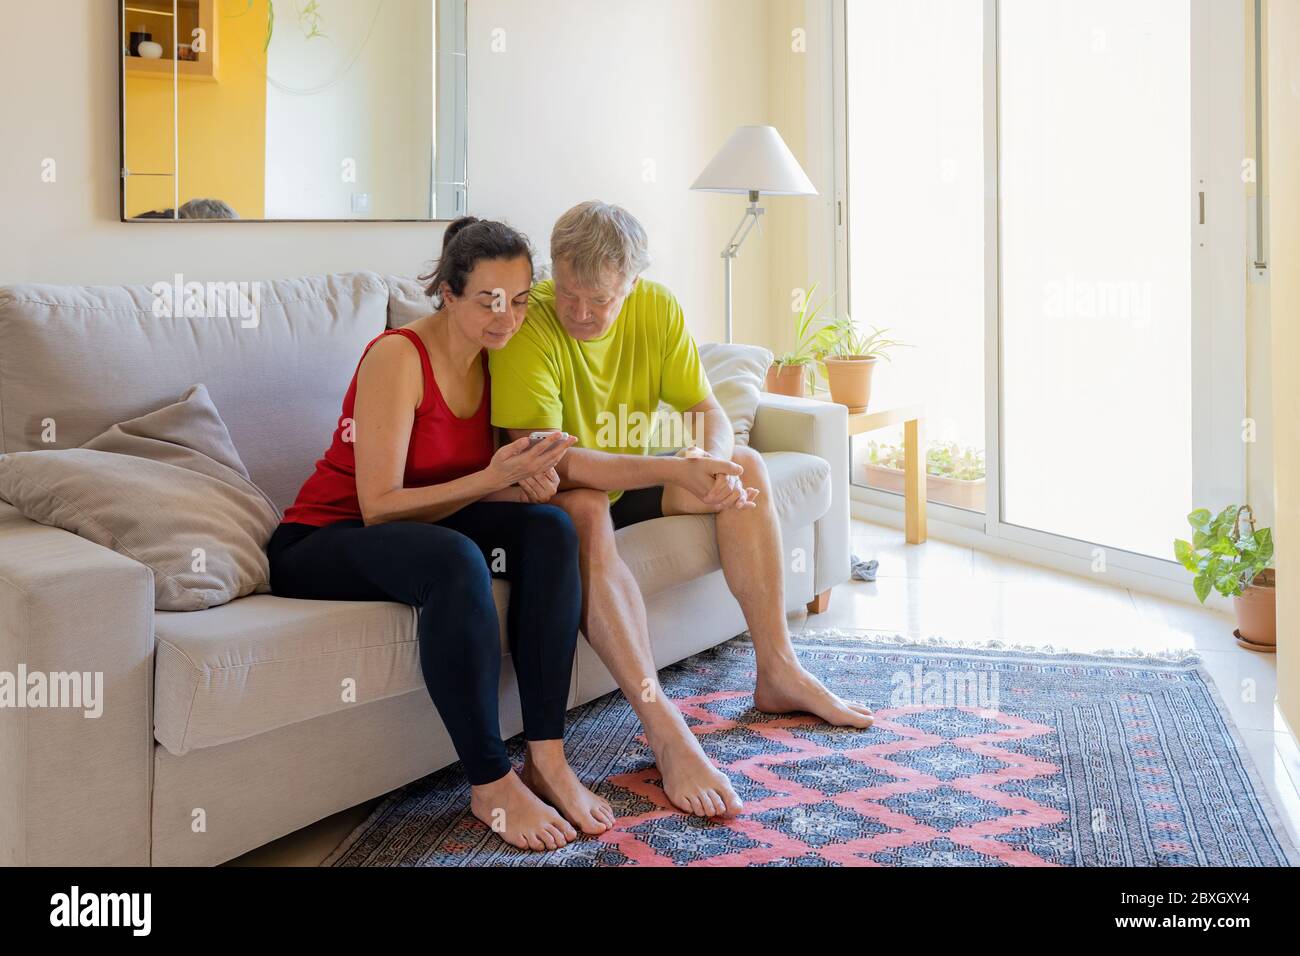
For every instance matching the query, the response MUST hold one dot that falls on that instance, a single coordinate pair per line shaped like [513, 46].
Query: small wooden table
[912, 418]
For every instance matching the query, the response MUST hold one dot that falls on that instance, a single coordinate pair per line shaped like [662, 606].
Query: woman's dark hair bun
[467, 242]
[456, 228]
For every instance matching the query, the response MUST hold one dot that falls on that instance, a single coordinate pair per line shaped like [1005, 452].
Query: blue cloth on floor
[864, 570]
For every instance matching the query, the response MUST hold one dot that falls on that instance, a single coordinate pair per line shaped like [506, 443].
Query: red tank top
[442, 448]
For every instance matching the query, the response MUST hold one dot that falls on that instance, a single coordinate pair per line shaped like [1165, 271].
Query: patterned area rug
[979, 757]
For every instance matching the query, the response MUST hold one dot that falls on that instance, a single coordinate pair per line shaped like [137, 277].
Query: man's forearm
[585, 468]
[718, 438]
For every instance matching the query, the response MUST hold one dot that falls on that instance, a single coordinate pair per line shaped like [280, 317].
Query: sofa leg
[820, 603]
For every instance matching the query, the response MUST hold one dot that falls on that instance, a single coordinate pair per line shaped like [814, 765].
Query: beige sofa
[227, 728]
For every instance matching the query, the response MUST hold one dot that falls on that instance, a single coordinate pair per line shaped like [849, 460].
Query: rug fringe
[1131, 654]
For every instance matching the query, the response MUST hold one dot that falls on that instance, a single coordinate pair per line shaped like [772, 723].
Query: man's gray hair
[206, 209]
[594, 237]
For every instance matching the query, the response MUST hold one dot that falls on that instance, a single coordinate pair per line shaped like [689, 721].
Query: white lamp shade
[755, 159]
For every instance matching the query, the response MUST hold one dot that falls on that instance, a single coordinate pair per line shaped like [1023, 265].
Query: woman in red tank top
[414, 503]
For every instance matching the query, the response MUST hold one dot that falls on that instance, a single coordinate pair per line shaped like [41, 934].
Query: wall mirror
[293, 110]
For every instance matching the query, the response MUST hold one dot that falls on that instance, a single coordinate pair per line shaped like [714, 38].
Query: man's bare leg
[749, 542]
[614, 621]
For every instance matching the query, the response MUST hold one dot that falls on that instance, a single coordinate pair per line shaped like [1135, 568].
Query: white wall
[586, 92]
[625, 101]
[1259, 333]
[799, 48]
[1284, 266]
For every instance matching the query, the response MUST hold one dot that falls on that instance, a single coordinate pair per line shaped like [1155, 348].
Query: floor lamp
[754, 162]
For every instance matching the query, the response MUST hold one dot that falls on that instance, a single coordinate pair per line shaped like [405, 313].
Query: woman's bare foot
[515, 814]
[548, 774]
[691, 781]
[784, 687]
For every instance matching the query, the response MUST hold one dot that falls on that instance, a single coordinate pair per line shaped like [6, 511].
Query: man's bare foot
[548, 774]
[785, 687]
[516, 815]
[693, 784]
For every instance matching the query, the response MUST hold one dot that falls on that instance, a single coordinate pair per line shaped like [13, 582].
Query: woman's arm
[389, 389]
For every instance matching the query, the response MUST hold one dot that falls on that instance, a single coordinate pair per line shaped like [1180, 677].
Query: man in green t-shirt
[599, 351]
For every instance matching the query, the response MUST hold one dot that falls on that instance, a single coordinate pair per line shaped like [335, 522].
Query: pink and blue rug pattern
[1080, 761]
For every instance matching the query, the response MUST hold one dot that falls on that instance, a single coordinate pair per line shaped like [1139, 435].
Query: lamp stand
[732, 252]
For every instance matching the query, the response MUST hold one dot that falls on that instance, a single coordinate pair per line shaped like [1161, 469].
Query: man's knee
[755, 475]
[746, 457]
[588, 509]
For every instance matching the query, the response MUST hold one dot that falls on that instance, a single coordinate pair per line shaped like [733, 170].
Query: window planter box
[947, 491]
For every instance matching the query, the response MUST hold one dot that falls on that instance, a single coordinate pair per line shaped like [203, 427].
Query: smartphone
[536, 437]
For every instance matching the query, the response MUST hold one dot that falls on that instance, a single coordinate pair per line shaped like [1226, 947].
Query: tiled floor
[960, 594]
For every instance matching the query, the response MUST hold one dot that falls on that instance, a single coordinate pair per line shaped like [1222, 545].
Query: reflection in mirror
[293, 109]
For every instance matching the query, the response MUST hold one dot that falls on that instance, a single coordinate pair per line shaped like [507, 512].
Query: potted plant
[1238, 564]
[850, 362]
[788, 374]
[955, 474]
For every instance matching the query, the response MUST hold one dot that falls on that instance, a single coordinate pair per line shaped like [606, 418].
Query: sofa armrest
[822, 429]
[74, 789]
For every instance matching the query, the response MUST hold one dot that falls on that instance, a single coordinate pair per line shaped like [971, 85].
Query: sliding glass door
[915, 132]
[1096, 253]
[1044, 198]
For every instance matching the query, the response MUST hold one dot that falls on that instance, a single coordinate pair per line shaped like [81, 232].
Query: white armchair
[821, 429]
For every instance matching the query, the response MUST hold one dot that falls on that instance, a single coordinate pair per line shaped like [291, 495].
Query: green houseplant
[1238, 563]
[850, 360]
[788, 374]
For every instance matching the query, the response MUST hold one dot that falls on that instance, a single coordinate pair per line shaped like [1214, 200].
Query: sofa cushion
[736, 373]
[265, 662]
[407, 301]
[165, 489]
[801, 485]
[76, 359]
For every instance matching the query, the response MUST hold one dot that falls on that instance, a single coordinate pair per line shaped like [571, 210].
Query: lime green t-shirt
[605, 391]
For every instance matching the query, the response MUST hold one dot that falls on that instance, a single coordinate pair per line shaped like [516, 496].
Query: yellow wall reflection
[222, 112]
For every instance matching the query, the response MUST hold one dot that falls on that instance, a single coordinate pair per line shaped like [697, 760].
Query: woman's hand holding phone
[530, 458]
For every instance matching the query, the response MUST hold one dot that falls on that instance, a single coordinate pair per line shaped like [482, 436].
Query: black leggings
[446, 571]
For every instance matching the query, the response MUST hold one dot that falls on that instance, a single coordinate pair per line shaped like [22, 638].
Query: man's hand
[539, 489]
[697, 474]
[702, 484]
[729, 492]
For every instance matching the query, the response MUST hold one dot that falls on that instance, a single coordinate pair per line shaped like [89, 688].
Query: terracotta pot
[1256, 609]
[850, 379]
[787, 380]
